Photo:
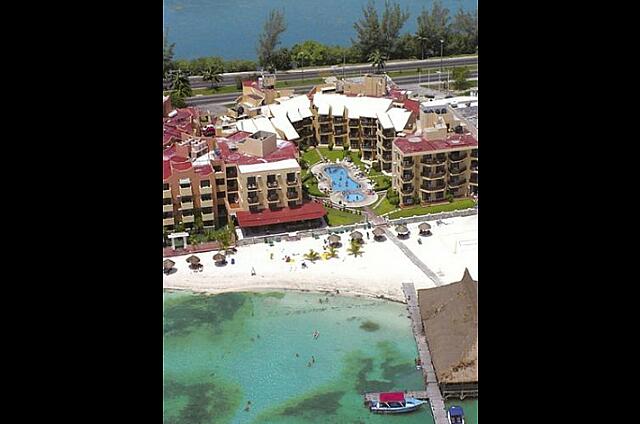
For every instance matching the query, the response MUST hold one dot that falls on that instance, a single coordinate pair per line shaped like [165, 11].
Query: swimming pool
[340, 180]
[354, 196]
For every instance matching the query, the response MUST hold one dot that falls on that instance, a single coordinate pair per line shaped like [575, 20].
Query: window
[219, 181]
[187, 199]
[206, 196]
[185, 183]
[166, 201]
[205, 183]
[221, 194]
[217, 168]
[165, 186]
[167, 215]
[207, 211]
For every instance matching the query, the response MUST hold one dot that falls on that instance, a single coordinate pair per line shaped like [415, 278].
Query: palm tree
[377, 60]
[224, 240]
[180, 84]
[212, 74]
[355, 249]
[332, 252]
[312, 255]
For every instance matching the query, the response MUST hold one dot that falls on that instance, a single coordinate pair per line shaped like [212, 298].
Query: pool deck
[337, 197]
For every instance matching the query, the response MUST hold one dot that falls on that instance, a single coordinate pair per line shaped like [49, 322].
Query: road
[230, 97]
[349, 70]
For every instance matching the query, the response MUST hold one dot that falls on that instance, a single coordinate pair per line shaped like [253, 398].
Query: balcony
[324, 129]
[205, 190]
[273, 198]
[188, 219]
[457, 182]
[206, 203]
[232, 186]
[185, 206]
[185, 191]
[232, 173]
[354, 123]
[166, 194]
[407, 163]
[272, 183]
[386, 158]
[252, 200]
[167, 221]
[340, 131]
[167, 208]
[292, 194]
[354, 134]
[324, 118]
[368, 133]
[474, 153]
[368, 145]
[390, 133]
[432, 187]
[368, 122]
[293, 181]
[386, 145]
[208, 217]
[474, 179]
[407, 189]
[407, 201]
[457, 156]
[455, 170]
[407, 176]
[432, 175]
[252, 186]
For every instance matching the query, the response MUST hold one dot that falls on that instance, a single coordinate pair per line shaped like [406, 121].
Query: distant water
[230, 28]
[222, 351]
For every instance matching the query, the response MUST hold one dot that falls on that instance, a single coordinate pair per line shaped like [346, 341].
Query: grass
[384, 207]
[298, 82]
[431, 71]
[336, 217]
[311, 156]
[423, 210]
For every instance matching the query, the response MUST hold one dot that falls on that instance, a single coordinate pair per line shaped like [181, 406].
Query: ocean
[252, 358]
[230, 28]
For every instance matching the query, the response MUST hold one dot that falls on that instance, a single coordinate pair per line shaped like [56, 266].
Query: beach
[379, 271]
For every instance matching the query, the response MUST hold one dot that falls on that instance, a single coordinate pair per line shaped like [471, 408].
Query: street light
[441, 49]
[422, 40]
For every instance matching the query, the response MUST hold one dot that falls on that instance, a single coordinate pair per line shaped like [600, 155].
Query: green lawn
[423, 210]
[311, 156]
[336, 217]
[384, 207]
[299, 82]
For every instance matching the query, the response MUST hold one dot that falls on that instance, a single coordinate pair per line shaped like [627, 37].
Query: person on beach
[253, 271]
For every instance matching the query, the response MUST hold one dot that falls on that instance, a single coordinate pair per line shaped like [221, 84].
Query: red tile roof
[203, 170]
[285, 150]
[413, 106]
[413, 143]
[309, 210]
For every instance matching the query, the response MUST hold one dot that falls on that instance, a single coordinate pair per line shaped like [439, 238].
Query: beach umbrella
[193, 260]
[424, 227]
[356, 235]
[334, 238]
[378, 232]
[402, 229]
[167, 264]
[219, 257]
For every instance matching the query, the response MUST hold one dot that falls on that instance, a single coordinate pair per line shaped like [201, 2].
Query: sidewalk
[168, 252]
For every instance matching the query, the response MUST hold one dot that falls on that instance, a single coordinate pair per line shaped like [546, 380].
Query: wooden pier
[433, 390]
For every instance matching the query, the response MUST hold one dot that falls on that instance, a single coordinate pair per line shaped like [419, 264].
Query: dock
[433, 390]
[375, 396]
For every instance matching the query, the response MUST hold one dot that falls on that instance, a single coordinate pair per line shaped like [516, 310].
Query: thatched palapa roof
[402, 229]
[193, 260]
[450, 318]
[168, 264]
[334, 238]
[356, 235]
[378, 232]
[424, 227]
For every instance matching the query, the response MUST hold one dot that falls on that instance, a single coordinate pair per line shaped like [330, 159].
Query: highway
[230, 97]
[349, 70]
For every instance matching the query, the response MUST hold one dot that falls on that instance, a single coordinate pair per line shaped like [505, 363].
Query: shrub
[376, 166]
[450, 197]
[238, 83]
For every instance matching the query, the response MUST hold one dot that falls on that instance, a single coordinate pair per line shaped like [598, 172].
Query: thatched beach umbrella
[193, 260]
[402, 230]
[219, 258]
[334, 239]
[167, 264]
[424, 228]
[378, 233]
[356, 235]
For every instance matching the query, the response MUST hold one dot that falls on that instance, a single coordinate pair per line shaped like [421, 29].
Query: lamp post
[441, 50]
[422, 40]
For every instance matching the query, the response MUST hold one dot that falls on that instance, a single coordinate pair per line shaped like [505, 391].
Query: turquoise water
[222, 351]
[230, 28]
[354, 197]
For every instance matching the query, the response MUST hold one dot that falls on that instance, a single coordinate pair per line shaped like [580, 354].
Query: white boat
[394, 403]
[455, 415]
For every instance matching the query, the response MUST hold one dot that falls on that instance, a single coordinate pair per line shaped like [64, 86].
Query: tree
[270, 37]
[332, 252]
[377, 60]
[223, 237]
[432, 27]
[355, 249]
[460, 76]
[167, 53]
[180, 84]
[368, 31]
[281, 59]
[393, 19]
[212, 74]
[177, 101]
[312, 255]
[464, 32]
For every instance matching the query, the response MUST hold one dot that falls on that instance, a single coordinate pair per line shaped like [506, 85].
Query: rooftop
[450, 317]
[309, 210]
[414, 143]
[269, 166]
[285, 150]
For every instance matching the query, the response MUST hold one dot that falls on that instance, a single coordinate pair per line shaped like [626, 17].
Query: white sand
[380, 270]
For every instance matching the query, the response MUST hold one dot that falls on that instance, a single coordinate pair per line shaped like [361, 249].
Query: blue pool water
[340, 180]
[354, 197]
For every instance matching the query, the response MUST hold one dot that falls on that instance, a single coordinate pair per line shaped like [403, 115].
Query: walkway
[413, 258]
[433, 390]
[374, 219]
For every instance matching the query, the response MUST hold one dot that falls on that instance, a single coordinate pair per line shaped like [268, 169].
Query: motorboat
[394, 403]
[455, 415]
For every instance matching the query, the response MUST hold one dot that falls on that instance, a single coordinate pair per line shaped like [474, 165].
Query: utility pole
[441, 50]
